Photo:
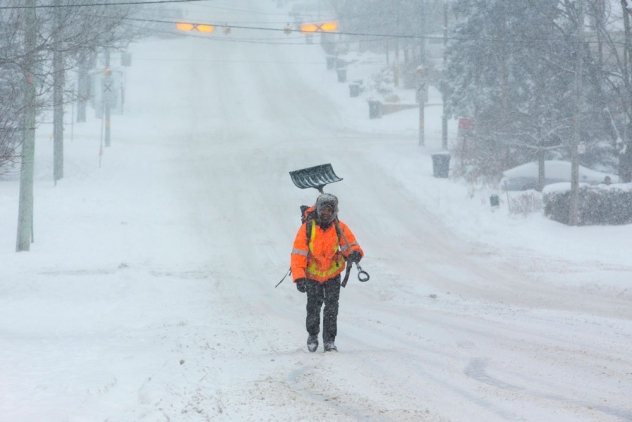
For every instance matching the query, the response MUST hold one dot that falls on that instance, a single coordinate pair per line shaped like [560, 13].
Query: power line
[230, 39]
[258, 28]
[159, 59]
[224, 39]
[52, 6]
[361, 34]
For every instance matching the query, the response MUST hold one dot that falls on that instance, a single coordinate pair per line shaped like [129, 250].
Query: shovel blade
[314, 177]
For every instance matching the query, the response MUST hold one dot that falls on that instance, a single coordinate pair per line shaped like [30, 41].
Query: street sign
[126, 59]
[421, 95]
[581, 148]
[108, 92]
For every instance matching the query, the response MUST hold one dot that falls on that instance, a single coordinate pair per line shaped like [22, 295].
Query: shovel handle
[363, 276]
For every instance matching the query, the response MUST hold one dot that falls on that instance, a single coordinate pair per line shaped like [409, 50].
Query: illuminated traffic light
[329, 26]
[205, 28]
[319, 27]
[184, 26]
[198, 27]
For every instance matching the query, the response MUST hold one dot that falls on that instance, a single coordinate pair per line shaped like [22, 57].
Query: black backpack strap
[303, 209]
[308, 230]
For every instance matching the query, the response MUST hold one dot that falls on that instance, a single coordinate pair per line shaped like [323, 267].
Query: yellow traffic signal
[199, 27]
[184, 26]
[309, 27]
[319, 27]
[329, 26]
[205, 28]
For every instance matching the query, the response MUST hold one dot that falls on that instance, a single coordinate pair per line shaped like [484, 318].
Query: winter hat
[327, 200]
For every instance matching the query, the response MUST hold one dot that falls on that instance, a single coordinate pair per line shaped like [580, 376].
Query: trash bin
[340, 63]
[375, 110]
[441, 164]
[331, 61]
[494, 200]
[354, 90]
[342, 75]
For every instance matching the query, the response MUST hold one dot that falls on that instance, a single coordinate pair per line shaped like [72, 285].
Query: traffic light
[319, 27]
[196, 27]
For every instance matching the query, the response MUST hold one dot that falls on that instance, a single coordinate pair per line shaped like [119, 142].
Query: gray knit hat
[327, 200]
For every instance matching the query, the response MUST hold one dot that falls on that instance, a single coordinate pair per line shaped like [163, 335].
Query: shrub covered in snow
[598, 205]
[525, 203]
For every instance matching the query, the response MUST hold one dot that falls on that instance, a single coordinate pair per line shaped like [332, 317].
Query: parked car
[525, 176]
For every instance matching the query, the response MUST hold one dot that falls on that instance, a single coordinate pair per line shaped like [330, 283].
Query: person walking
[321, 247]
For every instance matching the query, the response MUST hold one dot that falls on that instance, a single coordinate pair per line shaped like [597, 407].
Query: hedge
[598, 205]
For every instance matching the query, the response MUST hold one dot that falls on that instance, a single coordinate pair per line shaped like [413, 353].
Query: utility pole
[573, 218]
[106, 100]
[58, 96]
[25, 213]
[625, 161]
[82, 87]
[422, 82]
[444, 117]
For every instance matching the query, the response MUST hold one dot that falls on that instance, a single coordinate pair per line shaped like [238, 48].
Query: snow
[560, 187]
[555, 171]
[149, 291]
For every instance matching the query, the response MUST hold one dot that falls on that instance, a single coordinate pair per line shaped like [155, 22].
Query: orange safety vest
[321, 257]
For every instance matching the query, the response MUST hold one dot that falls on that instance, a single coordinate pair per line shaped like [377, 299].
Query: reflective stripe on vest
[335, 266]
[299, 252]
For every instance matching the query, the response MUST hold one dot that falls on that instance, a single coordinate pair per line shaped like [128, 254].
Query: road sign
[108, 91]
[126, 59]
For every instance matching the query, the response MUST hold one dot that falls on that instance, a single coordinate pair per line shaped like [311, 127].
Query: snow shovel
[314, 177]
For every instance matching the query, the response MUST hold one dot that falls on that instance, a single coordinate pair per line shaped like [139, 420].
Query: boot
[312, 343]
[330, 347]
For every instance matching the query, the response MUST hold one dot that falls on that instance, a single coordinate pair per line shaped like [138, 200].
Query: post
[573, 218]
[541, 162]
[72, 120]
[422, 60]
[58, 98]
[25, 212]
[625, 162]
[106, 104]
[444, 94]
[82, 87]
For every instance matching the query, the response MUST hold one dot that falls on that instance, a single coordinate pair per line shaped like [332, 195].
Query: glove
[300, 285]
[354, 256]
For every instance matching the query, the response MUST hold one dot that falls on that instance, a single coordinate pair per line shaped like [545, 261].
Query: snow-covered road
[149, 294]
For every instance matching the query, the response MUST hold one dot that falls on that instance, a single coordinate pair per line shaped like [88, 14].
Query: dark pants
[317, 293]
